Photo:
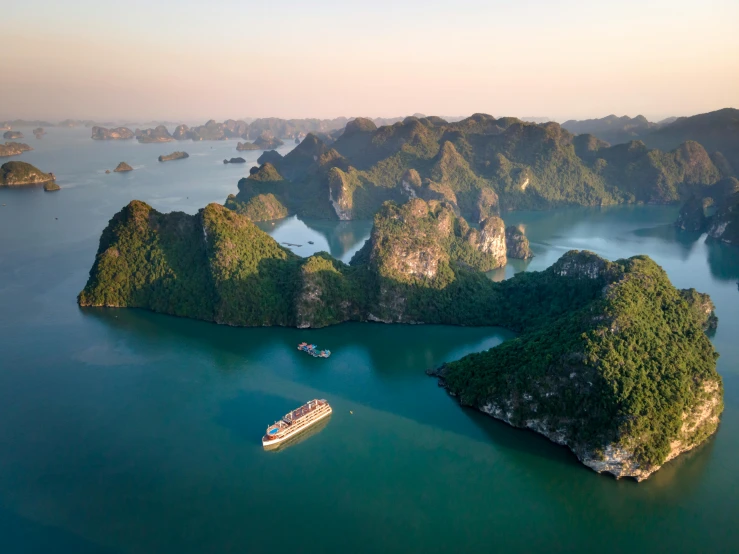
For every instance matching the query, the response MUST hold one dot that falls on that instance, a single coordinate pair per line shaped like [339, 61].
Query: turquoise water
[126, 431]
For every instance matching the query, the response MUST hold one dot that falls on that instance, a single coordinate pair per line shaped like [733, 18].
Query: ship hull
[277, 441]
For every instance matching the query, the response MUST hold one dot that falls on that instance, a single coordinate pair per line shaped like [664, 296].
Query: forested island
[14, 174]
[481, 165]
[611, 360]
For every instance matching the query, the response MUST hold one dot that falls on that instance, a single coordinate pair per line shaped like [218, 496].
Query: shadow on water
[683, 242]
[723, 260]
[19, 535]
[342, 236]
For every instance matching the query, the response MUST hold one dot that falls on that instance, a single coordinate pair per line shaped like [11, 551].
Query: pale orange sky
[183, 61]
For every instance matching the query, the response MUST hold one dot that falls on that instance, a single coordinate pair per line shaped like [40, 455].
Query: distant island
[158, 134]
[481, 165]
[174, 156]
[122, 167]
[118, 133]
[13, 149]
[39, 132]
[14, 174]
[12, 135]
[606, 327]
[235, 161]
[263, 142]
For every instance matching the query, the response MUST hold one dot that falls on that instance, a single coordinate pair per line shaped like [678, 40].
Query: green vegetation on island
[483, 166]
[611, 360]
[12, 135]
[22, 173]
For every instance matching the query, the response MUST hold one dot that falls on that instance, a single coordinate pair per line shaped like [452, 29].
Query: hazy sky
[193, 60]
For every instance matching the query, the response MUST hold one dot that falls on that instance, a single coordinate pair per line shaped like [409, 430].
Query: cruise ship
[296, 422]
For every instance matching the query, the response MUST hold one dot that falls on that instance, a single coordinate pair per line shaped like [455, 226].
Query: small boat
[312, 349]
[296, 422]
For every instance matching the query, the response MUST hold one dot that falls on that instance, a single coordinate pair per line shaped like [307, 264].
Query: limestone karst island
[364, 277]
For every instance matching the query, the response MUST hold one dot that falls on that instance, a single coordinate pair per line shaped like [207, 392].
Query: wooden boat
[296, 422]
[312, 349]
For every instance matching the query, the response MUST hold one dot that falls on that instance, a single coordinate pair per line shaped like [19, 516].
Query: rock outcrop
[517, 244]
[118, 133]
[235, 161]
[51, 186]
[158, 134]
[13, 149]
[174, 156]
[181, 132]
[21, 173]
[12, 135]
[122, 167]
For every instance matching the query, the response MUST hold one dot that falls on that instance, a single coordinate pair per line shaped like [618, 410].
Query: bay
[127, 431]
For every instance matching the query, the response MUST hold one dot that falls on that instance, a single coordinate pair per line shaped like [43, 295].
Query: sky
[191, 60]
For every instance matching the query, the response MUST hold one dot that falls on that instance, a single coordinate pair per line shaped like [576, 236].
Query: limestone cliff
[516, 243]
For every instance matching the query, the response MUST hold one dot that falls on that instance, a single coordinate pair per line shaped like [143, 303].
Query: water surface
[126, 431]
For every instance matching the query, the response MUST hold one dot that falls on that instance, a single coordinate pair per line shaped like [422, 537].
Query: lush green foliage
[608, 352]
[623, 365]
[22, 173]
[482, 165]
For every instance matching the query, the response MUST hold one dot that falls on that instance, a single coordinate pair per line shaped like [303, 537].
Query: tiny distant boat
[296, 422]
[312, 349]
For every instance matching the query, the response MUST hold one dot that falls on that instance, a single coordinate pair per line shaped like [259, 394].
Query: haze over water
[127, 431]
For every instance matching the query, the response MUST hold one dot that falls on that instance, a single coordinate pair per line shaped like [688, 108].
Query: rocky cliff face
[340, 193]
[119, 133]
[491, 239]
[122, 167]
[517, 244]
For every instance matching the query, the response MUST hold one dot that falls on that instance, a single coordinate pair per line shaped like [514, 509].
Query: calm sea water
[126, 431]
